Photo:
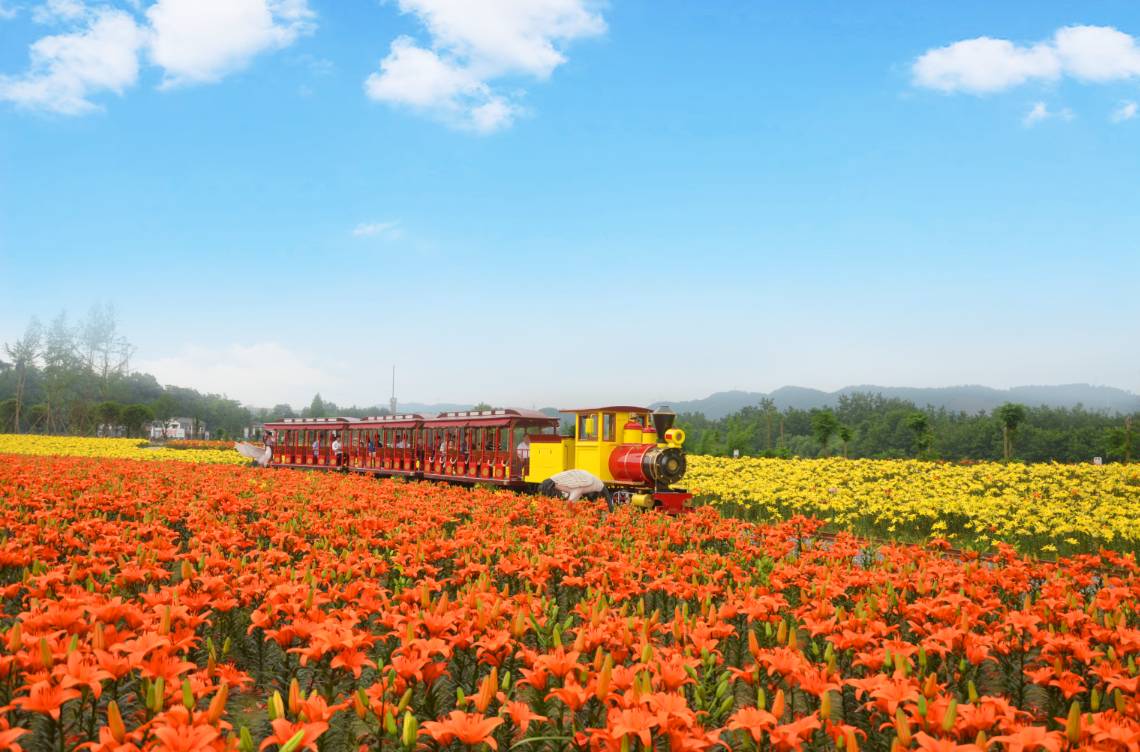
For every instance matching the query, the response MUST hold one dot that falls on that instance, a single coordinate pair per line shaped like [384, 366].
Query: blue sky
[556, 201]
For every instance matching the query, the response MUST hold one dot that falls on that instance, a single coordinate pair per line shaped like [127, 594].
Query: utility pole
[392, 402]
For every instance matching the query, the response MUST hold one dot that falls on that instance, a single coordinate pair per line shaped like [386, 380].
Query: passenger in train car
[371, 449]
[338, 455]
[316, 449]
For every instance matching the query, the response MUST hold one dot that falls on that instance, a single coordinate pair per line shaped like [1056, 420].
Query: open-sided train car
[634, 451]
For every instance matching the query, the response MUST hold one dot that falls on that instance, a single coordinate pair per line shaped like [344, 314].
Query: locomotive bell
[663, 419]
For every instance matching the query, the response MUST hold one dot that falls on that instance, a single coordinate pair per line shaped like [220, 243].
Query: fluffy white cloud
[1040, 112]
[983, 65]
[1126, 111]
[1097, 53]
[200, 41]
[66, 69]
[371, 229]
[193, 41]
[472, 45]
[7, 12]
[263, 373]
[55, 11]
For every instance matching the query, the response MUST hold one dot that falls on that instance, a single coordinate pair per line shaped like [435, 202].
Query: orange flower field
[178, 606]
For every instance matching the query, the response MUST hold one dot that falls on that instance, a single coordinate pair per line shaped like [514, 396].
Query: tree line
[872, 426]
[75, 378]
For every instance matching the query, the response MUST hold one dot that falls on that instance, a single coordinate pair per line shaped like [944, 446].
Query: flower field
[178, 606]
[199, 444]
[1040, 509]
[139, 449]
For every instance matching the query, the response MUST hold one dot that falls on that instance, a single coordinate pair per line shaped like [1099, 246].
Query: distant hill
[969, 398]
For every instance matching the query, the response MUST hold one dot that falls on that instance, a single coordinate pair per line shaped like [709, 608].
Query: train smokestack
[663, 419]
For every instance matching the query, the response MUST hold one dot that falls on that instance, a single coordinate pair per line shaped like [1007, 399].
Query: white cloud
[1126, 111]
[57, 11]
[193, 41]
[1097, 53]
[1040, 112]
[200, 41]
[983, 65]
[8, 12]
[471, 46]
[264, 373]
[66, 69]
[371, 229]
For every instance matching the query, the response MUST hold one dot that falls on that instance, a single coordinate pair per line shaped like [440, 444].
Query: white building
[178, 428]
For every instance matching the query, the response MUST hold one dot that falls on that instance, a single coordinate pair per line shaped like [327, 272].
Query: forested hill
[968, 399]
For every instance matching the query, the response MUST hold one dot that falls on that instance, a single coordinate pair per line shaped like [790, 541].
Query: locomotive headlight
[675, 437]
[665, 466]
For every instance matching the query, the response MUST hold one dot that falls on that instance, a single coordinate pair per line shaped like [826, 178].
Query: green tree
[845, 434]
[481, 406]
[919, 425]
[109, 414]
[1120, 439]
[824, 424]
[1010, 416]
[23, 353]
[317, 407]
[134, 416]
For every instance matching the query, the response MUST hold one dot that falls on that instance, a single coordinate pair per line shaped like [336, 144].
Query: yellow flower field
[1041, 509]
[78, 446]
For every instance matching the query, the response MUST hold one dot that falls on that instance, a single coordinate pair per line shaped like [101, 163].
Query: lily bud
[294, 696]
[950, 716]
[275, 708]
[404, 700]
[218, 704]
[159, 695]
[972, 691]
[294, 742]
[602, 688]
[245, 740]
[115, 722]
[1073, 723]
[410, 731]
[778, 704]
[902, 727]
[187, 695]
[390, 723]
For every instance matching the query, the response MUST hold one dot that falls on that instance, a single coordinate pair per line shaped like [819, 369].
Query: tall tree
[845, 434]
[919, 425]
[1010, 415]
[824, 424]
[62, 372]
[106, 353]
[134, 416]
[24, 353]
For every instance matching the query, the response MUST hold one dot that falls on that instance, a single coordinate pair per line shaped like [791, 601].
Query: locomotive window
[607, 426]
[587, 428]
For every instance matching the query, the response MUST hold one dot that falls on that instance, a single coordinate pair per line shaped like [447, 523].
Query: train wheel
[620, 498]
